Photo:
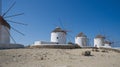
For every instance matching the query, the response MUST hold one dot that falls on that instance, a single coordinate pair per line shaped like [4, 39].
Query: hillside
[58, 58]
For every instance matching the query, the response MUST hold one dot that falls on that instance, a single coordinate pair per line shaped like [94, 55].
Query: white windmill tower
[99, 41]
[5, 27]
[81, 40]
[58, 36]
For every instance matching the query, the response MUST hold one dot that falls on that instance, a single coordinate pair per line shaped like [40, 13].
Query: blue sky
[89, 16]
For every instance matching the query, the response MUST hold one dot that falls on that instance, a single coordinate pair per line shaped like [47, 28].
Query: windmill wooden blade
[0, 7]
[61, 24]
[17, 22]
[17, 31]
[14, 15]
[13, 39]
[69, 37]
[67, 31]
[8, 9]
[10, 35]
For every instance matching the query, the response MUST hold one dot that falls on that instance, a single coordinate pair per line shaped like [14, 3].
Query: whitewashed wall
[59, 37]
[4, 35]
[43, 42]
[11, 46]
[99, 42]
[81, 41]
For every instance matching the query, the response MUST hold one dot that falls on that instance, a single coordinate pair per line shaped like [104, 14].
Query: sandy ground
[57, 58]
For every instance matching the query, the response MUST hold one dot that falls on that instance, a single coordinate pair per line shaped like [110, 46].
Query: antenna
[0, 7]
[8, 9]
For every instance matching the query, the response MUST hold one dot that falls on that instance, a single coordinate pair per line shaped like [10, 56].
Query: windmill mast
[0, 7]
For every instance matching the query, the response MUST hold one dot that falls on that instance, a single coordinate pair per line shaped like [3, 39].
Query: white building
[99, 41]
[43, 43]
[58, 36]
[4, 32]
[81, 39]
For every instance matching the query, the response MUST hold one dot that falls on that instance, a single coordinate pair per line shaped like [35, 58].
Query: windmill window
[57, 37]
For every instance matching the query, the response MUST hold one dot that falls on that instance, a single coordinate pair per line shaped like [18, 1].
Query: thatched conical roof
[58, 29]
[4, 22]
[81, 34]
[100, 36]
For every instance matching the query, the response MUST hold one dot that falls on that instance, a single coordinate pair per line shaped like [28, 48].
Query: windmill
[60, 34]
[5, 27]
[109, 41]
[112, 42]
[69, 36]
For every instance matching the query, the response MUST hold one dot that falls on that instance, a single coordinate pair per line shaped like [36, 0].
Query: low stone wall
[56, 46]
[111, 49]
[11, 46]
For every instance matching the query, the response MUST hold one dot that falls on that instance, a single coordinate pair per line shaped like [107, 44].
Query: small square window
[57, 37]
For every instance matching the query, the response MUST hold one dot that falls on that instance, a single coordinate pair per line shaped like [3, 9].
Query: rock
[86, 53]
[42, 58]
[104, 51]
[19, 55]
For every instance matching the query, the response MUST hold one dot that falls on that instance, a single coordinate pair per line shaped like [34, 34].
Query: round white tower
[81, 39]
[4, 32]
[99, 41]
[59, 36]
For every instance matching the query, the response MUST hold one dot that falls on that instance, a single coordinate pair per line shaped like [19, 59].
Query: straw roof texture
[100, 36]
[58, 29]
[4, 22]
[81, 34]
